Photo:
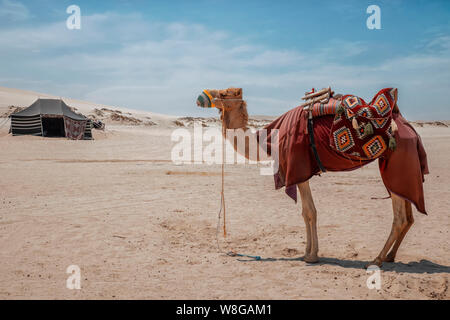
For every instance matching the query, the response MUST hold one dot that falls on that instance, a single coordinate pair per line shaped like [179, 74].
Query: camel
[233, 113]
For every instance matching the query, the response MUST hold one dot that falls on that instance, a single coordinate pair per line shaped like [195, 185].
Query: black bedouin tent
[51, 118]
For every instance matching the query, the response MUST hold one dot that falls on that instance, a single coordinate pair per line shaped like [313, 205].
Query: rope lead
[222, 201]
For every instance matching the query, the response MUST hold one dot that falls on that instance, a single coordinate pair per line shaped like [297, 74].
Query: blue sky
[158, 55]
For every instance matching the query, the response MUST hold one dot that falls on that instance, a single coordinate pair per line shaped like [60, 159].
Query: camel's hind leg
[409, 222]
[402, 222]
[310, 216]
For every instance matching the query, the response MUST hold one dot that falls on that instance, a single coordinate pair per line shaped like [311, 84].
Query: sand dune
[139, 226]
[12, 100]
[21, 98]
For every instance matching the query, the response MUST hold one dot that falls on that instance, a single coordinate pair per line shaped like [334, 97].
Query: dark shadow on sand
[424, 266]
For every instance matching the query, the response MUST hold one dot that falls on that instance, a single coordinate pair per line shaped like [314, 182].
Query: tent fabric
[29, 121]
[26, 125]
[74, 129]
[88, 130]
[402, 171]
[49, 107]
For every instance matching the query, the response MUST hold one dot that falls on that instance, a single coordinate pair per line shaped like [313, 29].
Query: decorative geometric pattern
[362, 143]
[389, 131]
[343, 139]
[349, 113]
[391, 93]
[380, 122]
[365, 112]
[351, 101]
[375, 147]
[382, 105]
[361, 132]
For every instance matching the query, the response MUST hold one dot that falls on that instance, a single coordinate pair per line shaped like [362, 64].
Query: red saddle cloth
[402, 171]
[359, 143]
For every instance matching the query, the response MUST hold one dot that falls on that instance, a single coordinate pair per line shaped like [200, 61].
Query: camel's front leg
[310, 216]
[400, 226]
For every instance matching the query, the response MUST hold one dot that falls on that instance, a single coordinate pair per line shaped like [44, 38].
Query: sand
[141, 227]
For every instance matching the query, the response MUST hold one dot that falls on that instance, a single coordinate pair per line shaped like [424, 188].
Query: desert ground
[141, 227]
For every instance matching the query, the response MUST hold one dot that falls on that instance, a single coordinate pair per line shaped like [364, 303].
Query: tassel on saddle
[392, 141]
[368, 130]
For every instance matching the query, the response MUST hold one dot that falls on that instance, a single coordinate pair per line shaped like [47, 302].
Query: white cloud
[128, 61]
[13, 10]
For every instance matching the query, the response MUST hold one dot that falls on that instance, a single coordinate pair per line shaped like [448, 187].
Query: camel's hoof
[377, 262]
[311, 259]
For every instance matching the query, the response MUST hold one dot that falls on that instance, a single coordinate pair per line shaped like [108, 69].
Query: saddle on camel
[333, 132]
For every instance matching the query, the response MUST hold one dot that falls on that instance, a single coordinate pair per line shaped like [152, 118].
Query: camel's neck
[243, 140]
[236, 119]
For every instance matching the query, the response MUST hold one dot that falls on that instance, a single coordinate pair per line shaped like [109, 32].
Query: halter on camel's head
[232, 108]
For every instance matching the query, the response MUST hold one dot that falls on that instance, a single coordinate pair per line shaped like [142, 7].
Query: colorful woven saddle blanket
[324, 109]
[364, 131]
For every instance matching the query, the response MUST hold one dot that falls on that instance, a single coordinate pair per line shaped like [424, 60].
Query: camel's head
[232, 108]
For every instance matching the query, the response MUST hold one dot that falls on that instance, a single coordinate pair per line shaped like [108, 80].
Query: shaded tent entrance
[53, 127]
[51, 118]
